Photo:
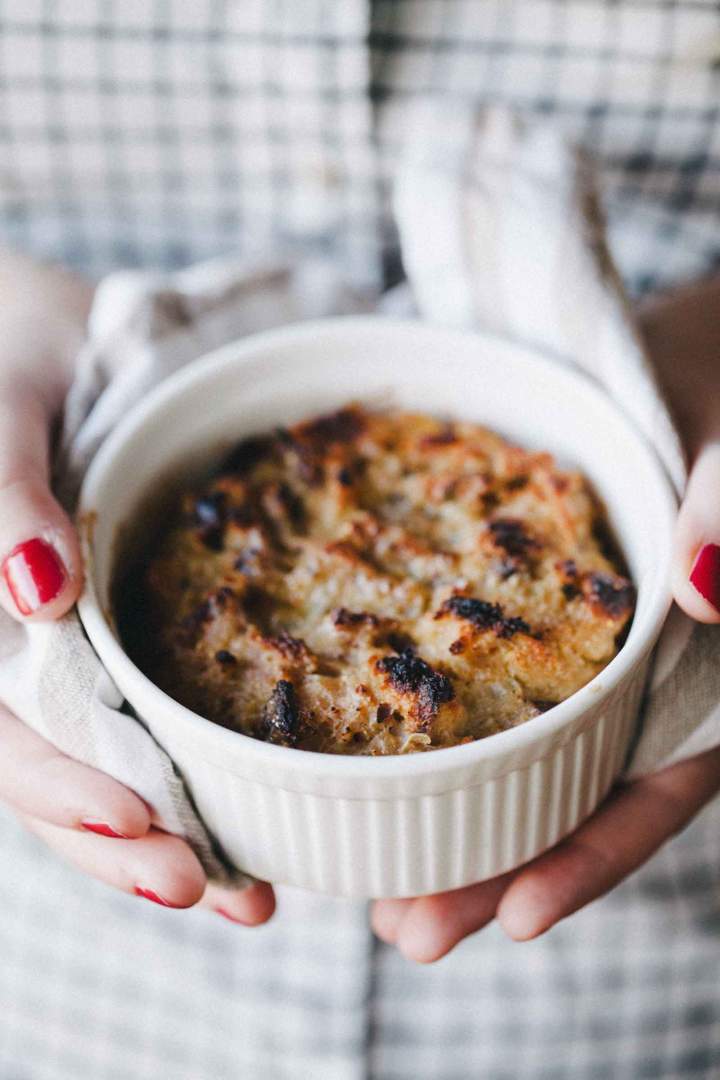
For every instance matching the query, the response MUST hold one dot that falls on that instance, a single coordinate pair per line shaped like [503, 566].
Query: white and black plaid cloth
[157, 132]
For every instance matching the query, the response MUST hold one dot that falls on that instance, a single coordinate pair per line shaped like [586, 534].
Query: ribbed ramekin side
[416, 845]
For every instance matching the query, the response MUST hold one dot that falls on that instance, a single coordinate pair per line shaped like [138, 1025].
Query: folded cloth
[499, 230]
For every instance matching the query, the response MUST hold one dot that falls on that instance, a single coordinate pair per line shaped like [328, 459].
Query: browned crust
[379, 583]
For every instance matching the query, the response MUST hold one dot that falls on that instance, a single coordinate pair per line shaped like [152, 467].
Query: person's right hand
[84, 815]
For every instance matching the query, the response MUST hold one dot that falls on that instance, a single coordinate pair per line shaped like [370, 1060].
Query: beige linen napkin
[499, 230]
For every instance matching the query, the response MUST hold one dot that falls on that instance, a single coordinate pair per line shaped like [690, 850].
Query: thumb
[696, 581]
[40, 565]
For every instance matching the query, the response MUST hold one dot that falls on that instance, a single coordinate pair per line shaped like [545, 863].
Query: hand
[683, 335]
[83, 814]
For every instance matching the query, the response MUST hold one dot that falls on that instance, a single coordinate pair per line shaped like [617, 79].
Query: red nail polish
[233, 918]
[148, 894]
[34, 574]
[103, 830]
[705, 574]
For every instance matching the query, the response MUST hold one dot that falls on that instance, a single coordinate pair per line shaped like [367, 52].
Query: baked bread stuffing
[378, 583]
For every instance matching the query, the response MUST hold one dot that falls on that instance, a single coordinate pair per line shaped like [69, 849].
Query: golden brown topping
[379, 583]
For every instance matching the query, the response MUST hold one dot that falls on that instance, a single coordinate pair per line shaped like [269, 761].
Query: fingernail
[148, 894]
[233, 918]
[103, 829]
[34, 574]
[705, 574]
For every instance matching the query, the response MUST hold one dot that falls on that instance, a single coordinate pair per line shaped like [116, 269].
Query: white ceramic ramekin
[416, 824]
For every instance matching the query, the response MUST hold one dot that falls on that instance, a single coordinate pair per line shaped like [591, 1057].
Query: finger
[432, 925]
[40, 564]
[249, 907]
[157, 867]
[620, 837]
[37, 779]
[696, 580]
[386, 916]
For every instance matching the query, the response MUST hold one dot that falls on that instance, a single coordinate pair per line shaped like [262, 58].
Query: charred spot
[342, 617]
[309, 441]
[542, 706]
[345, 476]
[242, 516]
[209, 510]
[511, 535]
[481, 613]
[568, 571]
[281, 716]
[247, 454]
[484, 616]
[290, 647]
[512, 626]
[445, 437]
[400, 642]
[281, 503]
[457, 647]
[225, 658]
[384, 712]
[409, 674]
[342, 426]
[212, 537]
[517, 483]
[613, 596]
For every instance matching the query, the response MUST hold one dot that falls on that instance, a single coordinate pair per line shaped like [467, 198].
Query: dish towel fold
[499, 230]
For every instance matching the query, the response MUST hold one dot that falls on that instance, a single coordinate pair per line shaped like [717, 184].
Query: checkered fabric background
[157, 132]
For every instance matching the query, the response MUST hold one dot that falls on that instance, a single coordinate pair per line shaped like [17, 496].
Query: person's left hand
[683, 335]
